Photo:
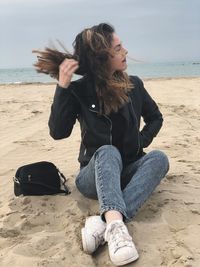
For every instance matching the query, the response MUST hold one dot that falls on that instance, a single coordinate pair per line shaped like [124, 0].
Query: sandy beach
[45, 231]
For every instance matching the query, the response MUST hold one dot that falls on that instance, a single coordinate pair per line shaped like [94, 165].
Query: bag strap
[46, 186]
[63, 181]
[66, 190]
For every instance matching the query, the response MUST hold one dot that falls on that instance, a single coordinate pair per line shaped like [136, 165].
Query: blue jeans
[102, 178]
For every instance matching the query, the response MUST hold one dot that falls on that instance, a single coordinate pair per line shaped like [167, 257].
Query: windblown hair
[92, 51]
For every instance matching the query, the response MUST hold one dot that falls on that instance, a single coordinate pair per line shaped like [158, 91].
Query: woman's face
[118, 55]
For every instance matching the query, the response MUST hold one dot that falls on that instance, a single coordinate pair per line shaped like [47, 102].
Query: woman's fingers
[67, 64]
[66, 71]
[69, 67]
[74, 68]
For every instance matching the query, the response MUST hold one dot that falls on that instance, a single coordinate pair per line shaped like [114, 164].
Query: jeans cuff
[115, 208]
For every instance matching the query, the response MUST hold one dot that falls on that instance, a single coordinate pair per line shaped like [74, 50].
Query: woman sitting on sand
[109, 105]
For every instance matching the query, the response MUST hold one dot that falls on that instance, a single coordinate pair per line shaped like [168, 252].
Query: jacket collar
[87, 92]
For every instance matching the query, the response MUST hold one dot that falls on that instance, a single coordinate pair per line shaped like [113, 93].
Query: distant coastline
[144, 70]
[54, 83]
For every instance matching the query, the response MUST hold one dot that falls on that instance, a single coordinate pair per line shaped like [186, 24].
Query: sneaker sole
[126, 261]
[84, 242]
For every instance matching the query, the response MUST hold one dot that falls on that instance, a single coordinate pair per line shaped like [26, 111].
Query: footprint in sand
[6, 233]
[38, 245]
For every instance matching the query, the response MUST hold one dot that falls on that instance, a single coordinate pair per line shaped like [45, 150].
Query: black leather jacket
[79, 101]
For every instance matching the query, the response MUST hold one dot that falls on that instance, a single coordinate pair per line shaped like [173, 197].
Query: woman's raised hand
[66, 70]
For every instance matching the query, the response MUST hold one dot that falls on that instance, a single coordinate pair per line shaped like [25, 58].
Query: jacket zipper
[105, 117]
[109, 122]
[110, 128]
[137, 126]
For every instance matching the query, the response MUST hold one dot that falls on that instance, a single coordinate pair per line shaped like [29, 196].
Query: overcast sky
[151, 30]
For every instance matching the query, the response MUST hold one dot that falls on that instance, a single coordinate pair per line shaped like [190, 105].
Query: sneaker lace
[99, 238]
[119, 237]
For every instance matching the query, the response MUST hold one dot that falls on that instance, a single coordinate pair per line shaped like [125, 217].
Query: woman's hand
[66, 71]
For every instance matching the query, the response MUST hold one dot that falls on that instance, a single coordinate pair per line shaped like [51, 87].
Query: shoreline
[144, 79]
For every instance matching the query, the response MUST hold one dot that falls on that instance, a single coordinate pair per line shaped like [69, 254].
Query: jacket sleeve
[64, 111]
[152, 117]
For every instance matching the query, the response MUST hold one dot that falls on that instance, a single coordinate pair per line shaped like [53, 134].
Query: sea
[143, 70]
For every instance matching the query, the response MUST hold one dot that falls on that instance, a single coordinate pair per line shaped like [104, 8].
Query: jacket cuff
[62, 91]
[145, 140]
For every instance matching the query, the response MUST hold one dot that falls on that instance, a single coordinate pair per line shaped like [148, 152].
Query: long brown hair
[92, 50]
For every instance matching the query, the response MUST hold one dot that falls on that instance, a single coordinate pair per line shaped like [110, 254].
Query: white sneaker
[120, 244]
[93, 234]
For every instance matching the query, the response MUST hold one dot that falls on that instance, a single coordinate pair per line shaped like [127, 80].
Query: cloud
[149, 29]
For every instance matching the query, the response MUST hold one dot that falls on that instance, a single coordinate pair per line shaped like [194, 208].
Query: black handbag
[39, 178]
